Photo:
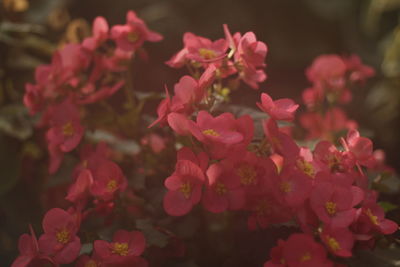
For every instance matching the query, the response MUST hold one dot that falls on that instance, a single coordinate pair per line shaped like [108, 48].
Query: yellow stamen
[62, 236]
[120, 249]
[133, 37]
[91, 263]
[286, 187]
[306, 257]
[372, 217]
[306, 167]
[112, 185]
[333, 244]
[68, 129]
[263, 208]
[330, 207]
[186, 189]
[247, 174]
[220, 188]
[210, 132]
[207, 53]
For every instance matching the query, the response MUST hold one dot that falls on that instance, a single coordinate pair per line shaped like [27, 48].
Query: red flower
[107, 180]
[79, 191]
[29, 254]
[327, 70]
[216, 133]
[199, 49]
[66, 130]
[334, 204]
[133, 34]
[282, 143]
[86, 261]
[59, 239]
[99, 34]
[184, 187]
[301, 250]
[125, 249]
[373, 218]
[339, 241]
[361, 147]
[281, 109]
[223, 190]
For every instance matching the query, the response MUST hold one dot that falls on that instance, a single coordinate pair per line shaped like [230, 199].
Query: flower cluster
[324, 190]
[332, 77]
[273, 179]
[80, 75]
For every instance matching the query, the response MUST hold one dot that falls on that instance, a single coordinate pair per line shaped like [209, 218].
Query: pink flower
[59, 239]
[108, 179]
[373, 217]
[199, 49]
[223, 190]
[325, 127]
[86, 261]
[301, 250]
[215, 133]
[66, 130]
[133, 34]
[184, 188]
[292, 187]
[327, 70]
[166, 107]
[125, 249]
[29, 254]
[334, 204]
[361, 147]
[264, 209]
[281, 109]
[339, 241]
[79, 191]
[358, 71]
[282, 143]
[191, 92]
[99, 34]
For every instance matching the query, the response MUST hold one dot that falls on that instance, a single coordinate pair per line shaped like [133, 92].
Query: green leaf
[387, 206]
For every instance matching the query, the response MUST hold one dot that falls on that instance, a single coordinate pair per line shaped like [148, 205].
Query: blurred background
[295, 31]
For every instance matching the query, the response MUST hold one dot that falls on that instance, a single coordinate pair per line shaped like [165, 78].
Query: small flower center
[330, 207]
[62, 236]
[372, 217]
[210, 132]
[91, 263]
[263, 208]
[120, 249]
[286, 187]
[220, 188]
[306, 167]
[68, 129]
[112, 185]
[132, 37]
[333, 244]
[247, 174]
[186, 189]
[305, 257]
[207, 53]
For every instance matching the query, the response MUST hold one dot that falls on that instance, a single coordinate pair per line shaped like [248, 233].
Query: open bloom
[184, 188]
[108, 179]
[223, 190]
[59, 239]
[125, 249]
[281, 109]
[133, 34]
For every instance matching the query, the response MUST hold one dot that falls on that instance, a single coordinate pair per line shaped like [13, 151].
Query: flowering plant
[130, 203]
